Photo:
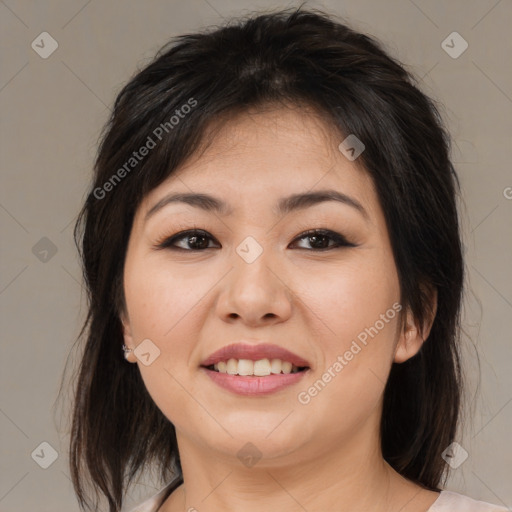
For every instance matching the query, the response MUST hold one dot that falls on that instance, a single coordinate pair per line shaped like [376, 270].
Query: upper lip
[254, 353]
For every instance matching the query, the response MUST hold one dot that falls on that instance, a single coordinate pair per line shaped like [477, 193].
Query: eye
[191, 240]
[319, 239]
[198, 240]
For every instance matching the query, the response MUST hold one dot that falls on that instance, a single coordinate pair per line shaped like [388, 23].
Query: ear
[411, 338]
[128, 337]
[127, 331]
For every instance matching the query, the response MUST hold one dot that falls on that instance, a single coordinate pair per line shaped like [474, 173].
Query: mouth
[249, 378]
[255, 370]
[258, 368]
[255, 360]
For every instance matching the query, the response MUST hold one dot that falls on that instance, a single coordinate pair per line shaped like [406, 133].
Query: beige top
[447, 501]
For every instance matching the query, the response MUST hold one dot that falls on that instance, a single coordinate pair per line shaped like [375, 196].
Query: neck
[334, 478]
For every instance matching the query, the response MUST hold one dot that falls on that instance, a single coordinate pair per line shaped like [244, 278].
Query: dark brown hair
[300, 57]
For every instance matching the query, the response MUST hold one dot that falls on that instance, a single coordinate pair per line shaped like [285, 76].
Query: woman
[272, 239]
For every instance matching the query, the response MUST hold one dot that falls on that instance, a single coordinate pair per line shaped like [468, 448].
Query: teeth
[232, 367]
[259, 368]
[275, 365]
[245, 367]
[286, 367]
[262, 367]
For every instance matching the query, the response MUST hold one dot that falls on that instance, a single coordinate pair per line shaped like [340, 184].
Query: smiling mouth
[259, 368]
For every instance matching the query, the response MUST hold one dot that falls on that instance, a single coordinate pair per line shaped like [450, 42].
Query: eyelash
[340, 240]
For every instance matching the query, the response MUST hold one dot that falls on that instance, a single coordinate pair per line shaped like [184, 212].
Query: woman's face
[251, 276]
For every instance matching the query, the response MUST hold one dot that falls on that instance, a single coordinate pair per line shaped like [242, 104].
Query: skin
[310, 301]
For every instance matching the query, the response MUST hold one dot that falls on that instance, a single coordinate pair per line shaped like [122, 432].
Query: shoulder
[450, 501]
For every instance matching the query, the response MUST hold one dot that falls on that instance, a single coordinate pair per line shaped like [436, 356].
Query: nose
[254, 293]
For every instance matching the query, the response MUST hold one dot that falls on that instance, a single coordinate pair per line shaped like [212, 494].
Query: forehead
[265, 154]
[261, 136]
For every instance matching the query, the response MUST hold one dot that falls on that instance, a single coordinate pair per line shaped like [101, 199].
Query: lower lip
[254, 386]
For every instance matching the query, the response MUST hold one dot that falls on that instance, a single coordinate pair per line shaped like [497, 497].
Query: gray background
[52, 113]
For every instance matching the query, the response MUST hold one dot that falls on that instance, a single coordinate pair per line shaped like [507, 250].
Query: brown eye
[191, 240]
[319, 240]
[195, 240]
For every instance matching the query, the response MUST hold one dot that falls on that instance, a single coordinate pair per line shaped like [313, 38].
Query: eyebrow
[285, 205]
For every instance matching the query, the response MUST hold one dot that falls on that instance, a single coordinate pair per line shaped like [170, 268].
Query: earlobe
[408, 346]
[411, 339]
[128, 345]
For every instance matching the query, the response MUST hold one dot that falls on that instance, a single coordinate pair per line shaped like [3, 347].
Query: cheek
[349, 384]
[161, 309]
[351, 297]
[162, 306]
[356, 308]
[159, 300]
